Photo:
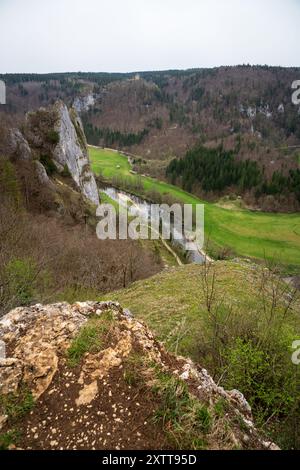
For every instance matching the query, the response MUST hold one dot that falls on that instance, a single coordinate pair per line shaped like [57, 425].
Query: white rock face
[72, 151]
[19, 145]
[42, 174]
[251, 112]
[265, 110]
[83, 103]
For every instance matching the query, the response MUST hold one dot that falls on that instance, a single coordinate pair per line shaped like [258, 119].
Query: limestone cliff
[55, 134]
[90, 376]
[84, 103]
[18, 146]
[71, 150]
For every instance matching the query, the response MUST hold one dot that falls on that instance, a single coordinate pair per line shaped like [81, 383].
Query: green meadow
[248, 233]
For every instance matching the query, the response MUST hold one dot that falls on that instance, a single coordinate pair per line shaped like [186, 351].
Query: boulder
[94, 402]
[42, 174]
[18, 145]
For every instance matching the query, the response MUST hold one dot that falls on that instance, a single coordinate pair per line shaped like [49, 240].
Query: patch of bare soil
[120, 417]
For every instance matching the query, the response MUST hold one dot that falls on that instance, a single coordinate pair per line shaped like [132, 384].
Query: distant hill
[161, 115]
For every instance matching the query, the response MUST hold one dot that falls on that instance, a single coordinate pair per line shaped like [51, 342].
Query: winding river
[138, 206]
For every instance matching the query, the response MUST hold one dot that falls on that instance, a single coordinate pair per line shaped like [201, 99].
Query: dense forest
[217, 170]
[108, 137]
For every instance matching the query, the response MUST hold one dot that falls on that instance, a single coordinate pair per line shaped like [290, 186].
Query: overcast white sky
[131, 35]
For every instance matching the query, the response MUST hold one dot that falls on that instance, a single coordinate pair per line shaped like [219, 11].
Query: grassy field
[172, 303]
[248, 233]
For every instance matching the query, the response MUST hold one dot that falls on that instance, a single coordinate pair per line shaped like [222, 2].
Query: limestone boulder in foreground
[114, 396]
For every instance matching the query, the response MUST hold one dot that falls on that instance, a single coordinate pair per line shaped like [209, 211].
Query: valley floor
[247, 233]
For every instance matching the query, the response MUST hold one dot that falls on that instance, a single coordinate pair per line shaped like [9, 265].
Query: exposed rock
[40, 366]
[241, 402]
[97, 366]
[270, 445]
[87, 394]
[42, 174]
[57, 133]
[71, 151]
[38, 334]
[84, 103]
[11, 371]
[2, 350]
[293, 281]
[251, 112]
[18, 145]
[90, 406]
[265, 110]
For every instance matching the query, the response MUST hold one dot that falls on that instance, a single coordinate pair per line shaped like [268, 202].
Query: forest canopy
[218, 169]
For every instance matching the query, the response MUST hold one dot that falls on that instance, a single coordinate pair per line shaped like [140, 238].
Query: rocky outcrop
[19, 149]
[105, 399]
[71, 151]
[18, 146]
[42, 174]
[84, 103]
[56, 134]
[39, 334]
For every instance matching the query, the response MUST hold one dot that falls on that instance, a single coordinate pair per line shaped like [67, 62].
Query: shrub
[9, 183]
[220, 253]
[9, 438]
[251, 351]
[186, 420]
[17, 405]
[154, 196]
[66, 172]
[23, 280]
[53, 137]
[20, 276]
[264, 376]
[48, 163]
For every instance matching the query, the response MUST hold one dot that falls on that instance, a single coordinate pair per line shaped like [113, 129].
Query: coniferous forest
[216, 169]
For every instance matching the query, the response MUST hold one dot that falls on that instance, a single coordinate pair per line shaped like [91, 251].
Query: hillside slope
[177, 107]
[177, 296]
[239, 321]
